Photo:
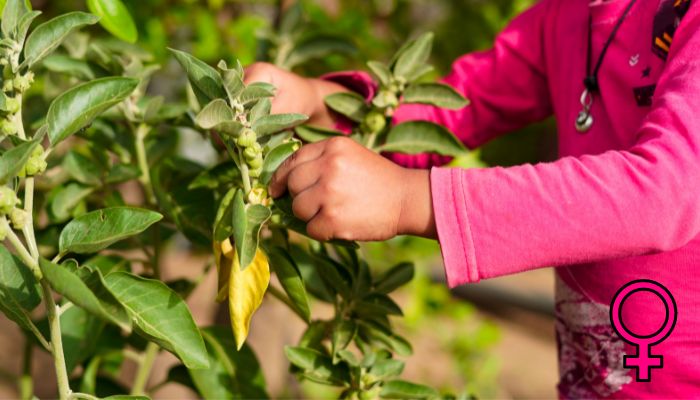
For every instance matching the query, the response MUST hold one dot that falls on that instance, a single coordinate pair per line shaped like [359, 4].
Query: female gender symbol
[644, 361]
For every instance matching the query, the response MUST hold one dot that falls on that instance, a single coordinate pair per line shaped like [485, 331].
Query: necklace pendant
[584, 121]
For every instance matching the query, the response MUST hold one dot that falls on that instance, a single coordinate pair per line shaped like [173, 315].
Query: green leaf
[290, 279]
[247, 222]
[435, 94]
[380, 71]
[416, 137]
[86, 288]
[260, 109]
[393, 341]
[310, 275]
[233, 81]
[394, 278]
[382, 369]
[318, 47]
[80, 331]
[277, 122]
[115, 18]
[97, 230]
[256, 91]
[12, 13]
[343, 334]
[313, 134]
[13, 160]
[232, 374]
[378, 303]
[65, 199]
[349, 104]
[275, 158]
[291, 18]
[205, 80]
[223, 223]
[78, 107]
[23, 25]
[63, 64]
[317, 366]
[413, 56]
[160, 315]
[19, 294]
[406, 390]
[82, 169]
[213, 114]
[49, 35]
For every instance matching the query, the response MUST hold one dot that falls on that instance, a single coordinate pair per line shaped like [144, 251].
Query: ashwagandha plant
[399, 82]
[73, 243]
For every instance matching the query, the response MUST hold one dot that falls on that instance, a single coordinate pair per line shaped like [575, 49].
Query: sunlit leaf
[12, 161]
[49, 35]
[435, 94]
[349, 104]
[115, 18]
[19, 294]
[416, 137]
[246, 291]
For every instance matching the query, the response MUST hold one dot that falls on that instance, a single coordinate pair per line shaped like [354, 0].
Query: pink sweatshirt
[621, 203]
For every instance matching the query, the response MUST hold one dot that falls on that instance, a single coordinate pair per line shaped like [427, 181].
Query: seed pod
[19, 218]
[8, 200]
[247, 138]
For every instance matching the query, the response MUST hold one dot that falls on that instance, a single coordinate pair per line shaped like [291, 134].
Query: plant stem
[84, 396]
[17, 117]
[22, 252]
[26, 385]
[56, 342]
[141, 133]
[28, 230]
[144, 371]
[371, 139]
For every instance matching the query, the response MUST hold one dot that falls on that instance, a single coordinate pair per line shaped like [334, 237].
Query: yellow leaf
[246, 291]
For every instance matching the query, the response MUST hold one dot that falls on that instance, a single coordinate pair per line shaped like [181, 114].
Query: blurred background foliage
[224, 29]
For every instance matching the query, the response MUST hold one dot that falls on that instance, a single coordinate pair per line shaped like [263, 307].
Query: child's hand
[345, 191]
[295, 94]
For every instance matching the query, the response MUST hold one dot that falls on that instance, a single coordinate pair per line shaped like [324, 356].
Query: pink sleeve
[642, 200]
[506, 85]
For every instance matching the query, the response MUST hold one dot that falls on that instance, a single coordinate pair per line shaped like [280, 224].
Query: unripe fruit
[35, 166]
[250, 153]
[255, 173]
[247, 138]
[8, 200]
[19, 218]
[386, 99]
[7, 127]
[374, 122]
[256, 163]
[12, 105]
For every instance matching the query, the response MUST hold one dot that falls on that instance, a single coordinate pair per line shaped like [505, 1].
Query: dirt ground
[526, 341]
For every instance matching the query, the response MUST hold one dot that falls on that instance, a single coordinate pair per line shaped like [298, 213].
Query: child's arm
[506, 85]
[642, 200]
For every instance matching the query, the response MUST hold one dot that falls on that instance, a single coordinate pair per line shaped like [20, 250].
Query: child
[620, 204]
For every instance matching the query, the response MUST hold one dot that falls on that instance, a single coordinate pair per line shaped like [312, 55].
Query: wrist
[416, 212]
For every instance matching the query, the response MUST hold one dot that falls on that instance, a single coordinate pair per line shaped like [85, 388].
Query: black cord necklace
[584, 120]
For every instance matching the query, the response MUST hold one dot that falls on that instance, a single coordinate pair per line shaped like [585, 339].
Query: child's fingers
[278, 184]
[306, 204]
[303, 177]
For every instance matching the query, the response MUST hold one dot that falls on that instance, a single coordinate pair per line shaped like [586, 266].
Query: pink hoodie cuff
[453, 228]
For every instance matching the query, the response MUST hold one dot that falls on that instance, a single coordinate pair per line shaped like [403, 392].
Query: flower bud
[386, 99]
[374, 122]
[35, 166]
[22, 83]
[7, 86]
[8, 200]
[19, 218]
[247, 138]
[259, 195]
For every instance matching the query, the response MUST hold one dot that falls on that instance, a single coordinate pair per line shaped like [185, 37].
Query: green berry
[374, 122]
[256, 163]
[250, 153]
[12, 105]
[255, 173]
[19, 218]
[247, 138]
[8, 127]
[8, 200]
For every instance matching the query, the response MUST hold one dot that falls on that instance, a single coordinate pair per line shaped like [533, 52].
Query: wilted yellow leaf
[246, 291]
[223, 268]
